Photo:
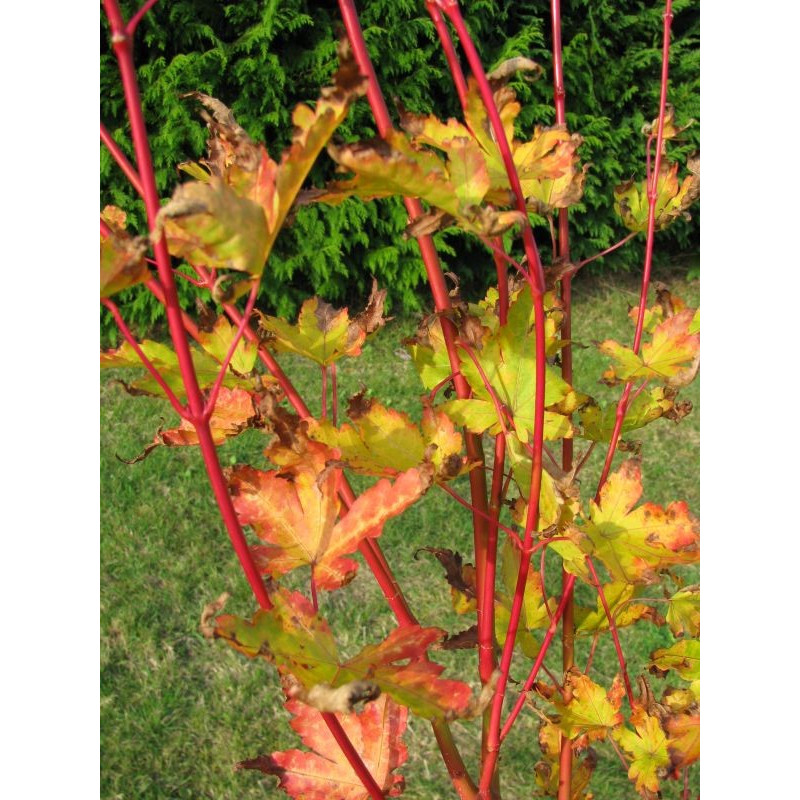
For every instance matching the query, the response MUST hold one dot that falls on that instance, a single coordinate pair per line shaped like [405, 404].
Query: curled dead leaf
[210, 610]
[343, 699]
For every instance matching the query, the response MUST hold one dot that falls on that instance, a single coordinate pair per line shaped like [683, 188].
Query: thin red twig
[593, 647]
[450, 54]
[324, 393]
[122, 160]
[131, 340]
[190, 279]
[486, 633]
[606, 251]
[613, 628]
[334, 396]
[648, 256]
[212, 397]
[548, 638]
[134, 21]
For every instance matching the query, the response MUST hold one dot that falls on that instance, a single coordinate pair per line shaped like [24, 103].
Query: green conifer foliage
[261, 57]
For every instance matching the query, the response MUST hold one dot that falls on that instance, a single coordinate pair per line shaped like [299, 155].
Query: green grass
[177, 711]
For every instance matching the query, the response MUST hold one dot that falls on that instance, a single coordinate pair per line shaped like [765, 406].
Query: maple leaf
[506, 357]
[301, 643]
[295, 511]
[618, 596]
[684, 740]
[669, 130]
[598, 424]
[683, 614]
[456, 167]
[647, 748]
[122, 256]
[683, 657]
[665, 306]
[231, 215]
[633, 544]
[667, 357]
[217, 341]
[383, 441]
[165, 360]
[672, 199]
[322, 333]
[324, 773]
[234, 412]
[591, 710]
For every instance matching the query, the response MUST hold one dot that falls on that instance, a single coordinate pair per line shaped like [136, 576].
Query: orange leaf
[295, 511]
[325, 774]
[633, 544]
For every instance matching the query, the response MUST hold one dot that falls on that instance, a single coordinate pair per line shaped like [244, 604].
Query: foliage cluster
[261, 58]
[495, 371]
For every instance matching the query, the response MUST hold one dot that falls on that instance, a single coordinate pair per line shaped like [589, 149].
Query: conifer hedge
[261, 57]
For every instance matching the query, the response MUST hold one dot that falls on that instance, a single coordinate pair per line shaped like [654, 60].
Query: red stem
[451, 8]
[121, 43]
[606, 251]
[459, 499]
[648, 255]
[612, 625]
[314, 598]
[129, 338]
[449, 52]
[441, 297]
[548, 638]
[324, 413]
[190, 279]
[364, 775]
[334, 396]
[589, 660]
[486, 636]
[568, 624]
[212, 397]
[137, 17]
[122, 161]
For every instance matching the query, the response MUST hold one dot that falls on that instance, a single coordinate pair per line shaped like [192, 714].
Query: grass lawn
[178, 711]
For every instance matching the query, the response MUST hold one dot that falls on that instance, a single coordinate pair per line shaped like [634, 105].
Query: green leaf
[648, 750]
[672, 199]
[635, 543]
[322, 333]
[591, 709]
[383, 441]
[683, 614]
[683, 657]
[668, 357]
[618, 596]
[230, 218]
[165, 360]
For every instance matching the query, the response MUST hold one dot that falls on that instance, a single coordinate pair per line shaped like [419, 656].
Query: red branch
[548, 638]
[122, 161]
[612, 625]
[536, 282]
[568, 625]
[121, 42]
[652, 194]
[131, 340]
